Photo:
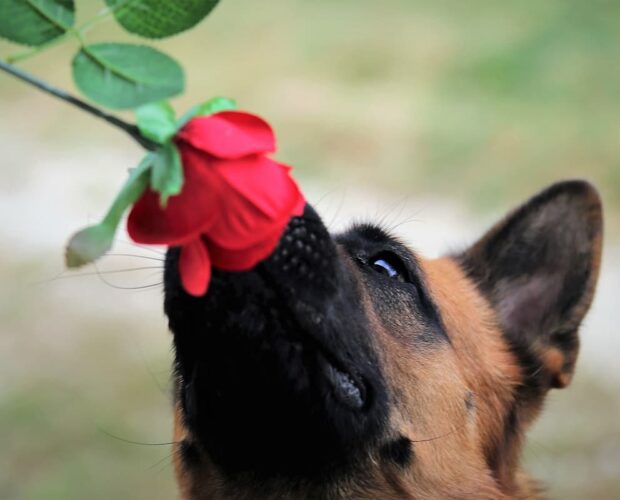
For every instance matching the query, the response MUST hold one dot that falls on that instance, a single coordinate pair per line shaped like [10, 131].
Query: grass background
[478, 104]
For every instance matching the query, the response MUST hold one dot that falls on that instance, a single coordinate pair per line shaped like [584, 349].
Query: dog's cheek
[434, 409]
[429, 397]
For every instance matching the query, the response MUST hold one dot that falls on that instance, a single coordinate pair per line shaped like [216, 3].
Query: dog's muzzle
[276, 368]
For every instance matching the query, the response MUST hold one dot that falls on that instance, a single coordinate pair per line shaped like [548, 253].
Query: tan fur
[450, 450]
[490, 372]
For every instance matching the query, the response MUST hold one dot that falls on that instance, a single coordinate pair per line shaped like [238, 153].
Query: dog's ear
[538, 268]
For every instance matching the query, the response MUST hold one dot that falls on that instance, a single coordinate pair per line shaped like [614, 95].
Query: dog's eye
[390, 266]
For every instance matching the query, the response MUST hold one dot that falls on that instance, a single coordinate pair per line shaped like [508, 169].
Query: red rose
[235, 202]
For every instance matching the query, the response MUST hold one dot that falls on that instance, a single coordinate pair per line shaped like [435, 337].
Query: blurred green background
[438, 115]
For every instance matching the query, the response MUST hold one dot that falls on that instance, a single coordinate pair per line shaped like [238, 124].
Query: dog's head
[347, 366]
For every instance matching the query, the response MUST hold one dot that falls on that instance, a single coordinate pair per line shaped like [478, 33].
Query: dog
[348, 367]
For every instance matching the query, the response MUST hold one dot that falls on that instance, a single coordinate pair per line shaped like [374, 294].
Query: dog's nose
[306, 255]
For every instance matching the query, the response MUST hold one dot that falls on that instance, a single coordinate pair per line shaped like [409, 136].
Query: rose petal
[195, 268]
[299, 208]
[229, 134]
[245, 258]
[187, 213]
[261, 198]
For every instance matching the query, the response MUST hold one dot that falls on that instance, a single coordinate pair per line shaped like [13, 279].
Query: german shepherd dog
[348, 367]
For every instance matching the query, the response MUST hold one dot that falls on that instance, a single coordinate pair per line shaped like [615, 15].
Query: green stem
[129, 128]
[34, 51]
[130, 192]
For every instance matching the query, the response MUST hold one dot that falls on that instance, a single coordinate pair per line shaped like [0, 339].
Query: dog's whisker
[536, 371]
[130, 441]
[408, 220]
[138, 256]
[120, 287]
[400, 205]
[324, 196]
[392, 226]
[157, 273]
[98, 273]
[441, 436]
[338, 208]
[165, 461]
[151, 373]
[137, 288]
[142, 247]
[60, 275]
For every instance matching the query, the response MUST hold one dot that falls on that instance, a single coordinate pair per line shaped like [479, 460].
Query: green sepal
[156, 121]
[167, 173]
[35, 22]
[92, 242]
[214, 105]
[122, 75]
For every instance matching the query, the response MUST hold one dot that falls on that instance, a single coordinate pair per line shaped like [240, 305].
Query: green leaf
[35, 22]
[120, 75]
[156, 121]
[214, 105]
[160, 18]
[92, 242]
[167, 174]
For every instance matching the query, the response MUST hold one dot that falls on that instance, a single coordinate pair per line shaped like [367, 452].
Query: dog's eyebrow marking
[399, 451]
